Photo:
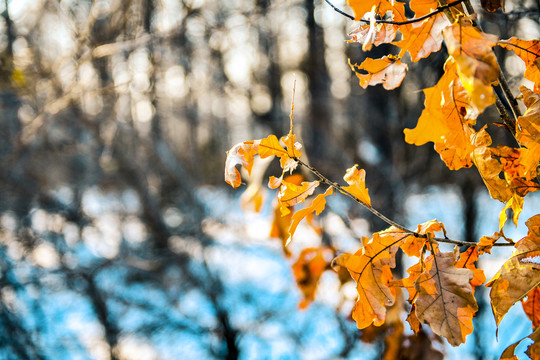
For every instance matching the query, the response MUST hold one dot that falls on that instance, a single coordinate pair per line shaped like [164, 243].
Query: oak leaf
[361, 7]
[529, 52]
[467, 260]
[447, 120]
[486, 243]
[291, 194]
[424, 37]
[357, 184]
[528, 134]
[316, 206]
[477, 64]
[423, 7]
[531, 306]
[240, 154]
[270, 146]
[519, 275]
[309, 267]
[388, 71]
[445, 299]
[370, 267]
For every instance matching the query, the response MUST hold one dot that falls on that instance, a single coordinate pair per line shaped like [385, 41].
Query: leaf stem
[375, 212]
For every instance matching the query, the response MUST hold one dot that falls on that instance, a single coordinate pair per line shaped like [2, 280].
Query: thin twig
[339, 188]
[411, 21]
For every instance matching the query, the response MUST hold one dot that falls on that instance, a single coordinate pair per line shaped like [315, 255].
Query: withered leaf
[445, 299]
[519, 275]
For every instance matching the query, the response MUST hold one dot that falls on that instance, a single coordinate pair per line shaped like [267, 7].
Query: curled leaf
[477, 64]
[388, 71]
[240, 154]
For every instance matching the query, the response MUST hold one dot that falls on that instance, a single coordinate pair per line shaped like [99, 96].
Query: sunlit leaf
[291, 194]
[316, 206]
[477, 64]
[519, 275]
[529, 52]
[357, 184]
[424, 37]
[239, 154]
[528, 134]
[447, 120]
[388, 71]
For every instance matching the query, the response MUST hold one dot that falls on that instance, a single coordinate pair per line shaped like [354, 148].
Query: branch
[411, 21]
[339, 188]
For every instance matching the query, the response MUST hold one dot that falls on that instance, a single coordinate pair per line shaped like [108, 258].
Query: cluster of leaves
[441, 285]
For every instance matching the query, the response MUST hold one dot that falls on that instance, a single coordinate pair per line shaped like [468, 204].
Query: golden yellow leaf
[357, 184]
[447, 120]
[291, 194]
[528, 134]
[316, 206]
[477, 64]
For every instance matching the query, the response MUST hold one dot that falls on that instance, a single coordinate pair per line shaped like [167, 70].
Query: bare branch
[375, 212]
[411, 21]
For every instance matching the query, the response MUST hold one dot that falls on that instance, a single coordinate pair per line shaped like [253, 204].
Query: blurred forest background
[119, 238]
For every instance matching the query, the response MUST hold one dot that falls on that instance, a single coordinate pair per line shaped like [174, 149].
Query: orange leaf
[485, 159]
[357, 184]
[361, 7]
[528, 134]
[531, 306]
[467, 260]
[308, 269]
[291, 194]
[477, 64]
[316, 206]
[447, 120]
[388, 71]
[529, 52]
[423, 7]
[519, 275]
[271, 146]
[280, 227]
[370, 268]
[486, 243]
[445, 299]
[424, 37]
[239, 154]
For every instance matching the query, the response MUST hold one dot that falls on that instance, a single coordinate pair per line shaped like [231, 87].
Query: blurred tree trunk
[318, 131]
